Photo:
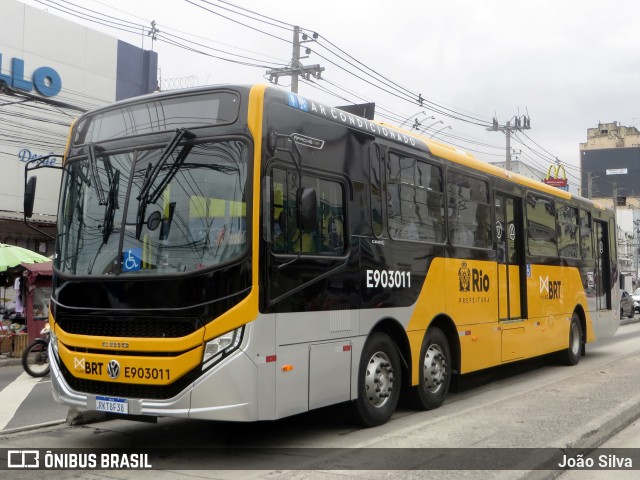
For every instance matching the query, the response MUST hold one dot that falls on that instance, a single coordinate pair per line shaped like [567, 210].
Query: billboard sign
[45, 80]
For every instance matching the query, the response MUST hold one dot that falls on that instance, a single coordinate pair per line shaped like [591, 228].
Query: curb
[75, 417]
[627, 321]
[593, 434]
[597, 431]
[6, 361]
[28, 428]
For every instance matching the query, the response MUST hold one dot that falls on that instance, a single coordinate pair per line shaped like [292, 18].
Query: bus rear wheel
[379, 381]
[571, 356]
[435, 371]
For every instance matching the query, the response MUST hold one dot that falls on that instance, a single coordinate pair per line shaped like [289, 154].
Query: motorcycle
[35, 358]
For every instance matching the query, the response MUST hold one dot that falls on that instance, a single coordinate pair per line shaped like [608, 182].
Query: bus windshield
[116, 218]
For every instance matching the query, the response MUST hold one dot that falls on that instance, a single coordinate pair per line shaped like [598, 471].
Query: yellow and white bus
[242, 253]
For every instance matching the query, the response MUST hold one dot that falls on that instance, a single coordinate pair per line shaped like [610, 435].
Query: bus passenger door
[601, 280]
[509, 235]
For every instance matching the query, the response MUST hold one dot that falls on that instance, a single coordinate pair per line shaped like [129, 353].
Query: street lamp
[411, 116]
[416, 126]
[424, 130]
[437, 132]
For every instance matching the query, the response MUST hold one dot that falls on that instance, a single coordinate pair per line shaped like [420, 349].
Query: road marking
[12, 396]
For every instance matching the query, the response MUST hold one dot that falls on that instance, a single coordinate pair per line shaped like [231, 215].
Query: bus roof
[420, 142]
[372, 127]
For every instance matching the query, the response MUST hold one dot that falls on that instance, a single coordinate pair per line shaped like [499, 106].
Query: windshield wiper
[94, 174]
[109, 211]
[152, 173]
[112, 206]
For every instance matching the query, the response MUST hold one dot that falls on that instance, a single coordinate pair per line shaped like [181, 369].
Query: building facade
[610, 160]
[610, 163]
[51, 70]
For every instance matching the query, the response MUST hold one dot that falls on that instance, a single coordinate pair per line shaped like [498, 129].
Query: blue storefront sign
[45, 80]
[25, 155]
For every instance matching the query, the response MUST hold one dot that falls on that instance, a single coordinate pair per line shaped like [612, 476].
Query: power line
[247, 18]
[382, 82]
[269, 20]
[236, 21]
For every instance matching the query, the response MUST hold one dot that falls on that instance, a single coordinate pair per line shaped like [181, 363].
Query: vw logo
[113, 369]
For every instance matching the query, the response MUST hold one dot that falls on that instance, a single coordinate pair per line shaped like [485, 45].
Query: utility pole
[153, 33]
[519, 123]
[295, 58]
[296, 67]
[589, 184]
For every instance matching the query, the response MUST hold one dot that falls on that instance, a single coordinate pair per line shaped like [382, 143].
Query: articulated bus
[242, 253]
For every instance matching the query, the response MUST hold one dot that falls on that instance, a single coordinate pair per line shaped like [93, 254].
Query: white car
[636, 299]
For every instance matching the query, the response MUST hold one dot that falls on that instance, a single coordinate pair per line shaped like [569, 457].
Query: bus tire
[571, 356]
[379, 381]
[434, 371]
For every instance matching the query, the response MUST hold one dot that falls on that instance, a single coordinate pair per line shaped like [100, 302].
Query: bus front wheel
[379, 381]
[435, 371]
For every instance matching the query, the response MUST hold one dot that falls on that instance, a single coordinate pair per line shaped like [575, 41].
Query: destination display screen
[158, 115]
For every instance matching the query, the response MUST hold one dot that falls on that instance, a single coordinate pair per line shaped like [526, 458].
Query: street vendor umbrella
[12, 256]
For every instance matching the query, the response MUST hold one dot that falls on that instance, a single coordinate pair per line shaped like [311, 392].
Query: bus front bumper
[227, 392]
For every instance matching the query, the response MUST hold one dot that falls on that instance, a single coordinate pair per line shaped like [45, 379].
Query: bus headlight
[218, 348]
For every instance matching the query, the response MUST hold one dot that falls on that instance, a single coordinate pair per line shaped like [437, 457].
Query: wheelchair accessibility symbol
[131, 259]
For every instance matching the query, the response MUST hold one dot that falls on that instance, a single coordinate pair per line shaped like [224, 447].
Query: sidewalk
[7, 361]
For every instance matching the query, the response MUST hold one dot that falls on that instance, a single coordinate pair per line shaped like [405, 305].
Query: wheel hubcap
[575, 339]
[434, 368]
[379, 379]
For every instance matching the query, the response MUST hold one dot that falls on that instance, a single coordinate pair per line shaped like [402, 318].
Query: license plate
[112, 405]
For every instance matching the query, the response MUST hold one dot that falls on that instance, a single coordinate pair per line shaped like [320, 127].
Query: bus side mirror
[29, 196]
[307, 208]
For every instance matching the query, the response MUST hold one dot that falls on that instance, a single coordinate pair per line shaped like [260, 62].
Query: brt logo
[472, 279]
[90, 368]
[550, 289]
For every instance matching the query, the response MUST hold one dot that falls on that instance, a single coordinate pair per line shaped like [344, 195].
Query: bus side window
[280, 214]
[568, 231]
[586, 235]
[331, 239]
[415, 200]
[468, 211]
[541, 226]
[327, 237]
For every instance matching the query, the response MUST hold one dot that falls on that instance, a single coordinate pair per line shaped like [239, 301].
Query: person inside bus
[332, 234]
[288, 240]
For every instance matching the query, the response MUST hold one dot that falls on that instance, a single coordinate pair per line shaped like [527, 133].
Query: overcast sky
[567, 64]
